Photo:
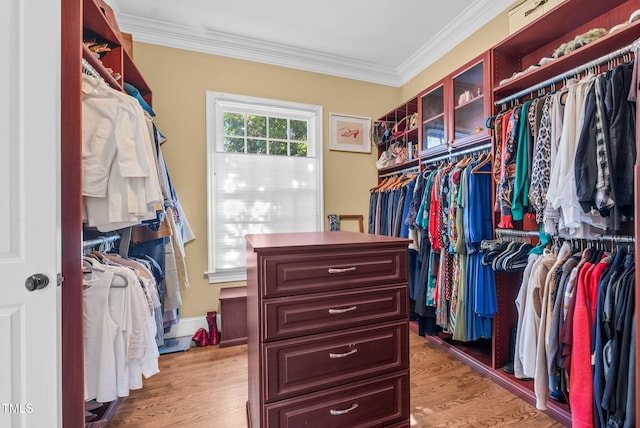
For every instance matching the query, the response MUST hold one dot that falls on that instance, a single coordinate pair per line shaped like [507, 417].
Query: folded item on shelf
[135, 93]
[618, 27]
[545, 60]
[519, 73]
[579, 41]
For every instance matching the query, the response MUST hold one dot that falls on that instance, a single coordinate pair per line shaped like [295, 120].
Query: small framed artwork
[349, 133]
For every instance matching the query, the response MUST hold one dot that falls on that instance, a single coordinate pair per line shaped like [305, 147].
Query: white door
[29, 212]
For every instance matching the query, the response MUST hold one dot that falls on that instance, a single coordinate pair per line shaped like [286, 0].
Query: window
[264, 169]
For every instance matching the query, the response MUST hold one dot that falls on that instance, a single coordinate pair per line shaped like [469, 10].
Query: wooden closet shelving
[80, 19]
[406, 135]
[562, 24]
[96, 22]
[445, 120]
[515, 53]
[453, 110]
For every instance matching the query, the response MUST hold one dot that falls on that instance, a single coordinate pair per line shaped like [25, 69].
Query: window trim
[214, 132]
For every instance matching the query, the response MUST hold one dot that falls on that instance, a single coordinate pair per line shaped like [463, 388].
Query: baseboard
[188, 326]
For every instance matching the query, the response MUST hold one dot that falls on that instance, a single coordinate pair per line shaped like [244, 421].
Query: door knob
[37, 281]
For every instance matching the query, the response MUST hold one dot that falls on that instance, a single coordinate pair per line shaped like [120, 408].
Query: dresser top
[275, 241]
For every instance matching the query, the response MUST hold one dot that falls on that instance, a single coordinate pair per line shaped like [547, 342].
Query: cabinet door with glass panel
[471, 102]
[434, 119]
[454, 110]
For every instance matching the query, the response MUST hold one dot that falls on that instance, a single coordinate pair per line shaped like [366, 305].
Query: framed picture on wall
[349, 133]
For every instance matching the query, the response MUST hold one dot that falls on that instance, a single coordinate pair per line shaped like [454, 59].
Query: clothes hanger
[87, 267]
[390, 183]
[92, 255]
[482, 162]
[95, 265]
[462, 162]
[382, 183]
[397, 183]
[408, 178]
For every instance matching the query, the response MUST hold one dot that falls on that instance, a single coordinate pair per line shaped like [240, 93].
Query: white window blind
[264, 175]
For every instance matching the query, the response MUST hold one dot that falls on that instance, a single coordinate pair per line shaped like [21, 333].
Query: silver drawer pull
[342, 311]
[342, 412]
[343, 270]
[346, 354]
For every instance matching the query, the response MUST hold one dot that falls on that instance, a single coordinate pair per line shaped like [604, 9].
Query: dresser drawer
[324, 271]
[310, 363]
[376, 402]
[286, 317]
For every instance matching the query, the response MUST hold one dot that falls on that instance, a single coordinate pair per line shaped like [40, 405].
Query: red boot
[201, 337]
[214, 336]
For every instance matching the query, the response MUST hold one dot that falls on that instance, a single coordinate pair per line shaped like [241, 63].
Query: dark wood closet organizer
[515, 53]
[91, 19]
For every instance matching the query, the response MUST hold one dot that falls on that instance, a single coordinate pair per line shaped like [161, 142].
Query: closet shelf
[95, 19]
[578, 57]
[399, 167]
[133, 76]
[433, 118]
[557, 23]
[413, 132]
[478, 99]
[99, 67]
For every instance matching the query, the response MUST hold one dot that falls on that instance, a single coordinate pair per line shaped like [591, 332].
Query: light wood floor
[207, 387]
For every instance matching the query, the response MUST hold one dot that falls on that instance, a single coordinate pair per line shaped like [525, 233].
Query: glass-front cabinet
[433, 123]
[468, 95]
[454, 110]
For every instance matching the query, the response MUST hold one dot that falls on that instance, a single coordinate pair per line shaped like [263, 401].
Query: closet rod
[621, 239]
[514, 232]
[88, 69]
[411, 170]
[107, 239]
[451, 154]
[591, 64]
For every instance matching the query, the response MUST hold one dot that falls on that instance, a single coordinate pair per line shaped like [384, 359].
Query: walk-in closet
[339, 214]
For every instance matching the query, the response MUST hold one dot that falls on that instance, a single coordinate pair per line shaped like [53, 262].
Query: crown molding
[250, 49]
[245, 48]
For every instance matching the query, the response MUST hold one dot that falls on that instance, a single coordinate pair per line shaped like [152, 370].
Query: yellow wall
[180, 79]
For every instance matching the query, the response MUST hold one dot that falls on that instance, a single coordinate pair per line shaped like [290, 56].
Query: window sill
[228, 275]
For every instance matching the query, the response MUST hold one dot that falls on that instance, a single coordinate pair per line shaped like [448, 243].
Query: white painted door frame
[30, 380]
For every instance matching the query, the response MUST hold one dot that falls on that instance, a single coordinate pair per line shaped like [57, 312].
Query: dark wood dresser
[327, 324]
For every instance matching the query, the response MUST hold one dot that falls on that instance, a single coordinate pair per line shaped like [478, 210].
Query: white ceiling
[370, 40]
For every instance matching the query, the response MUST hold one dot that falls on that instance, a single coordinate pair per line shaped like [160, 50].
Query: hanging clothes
[578, 182]
[541, 163]
[481, 291]
[542, 388]
[120, 328]
[575, 332]
[432, 206]
[562, 193]
[520, 202]
[510, 122]
[120, 180]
